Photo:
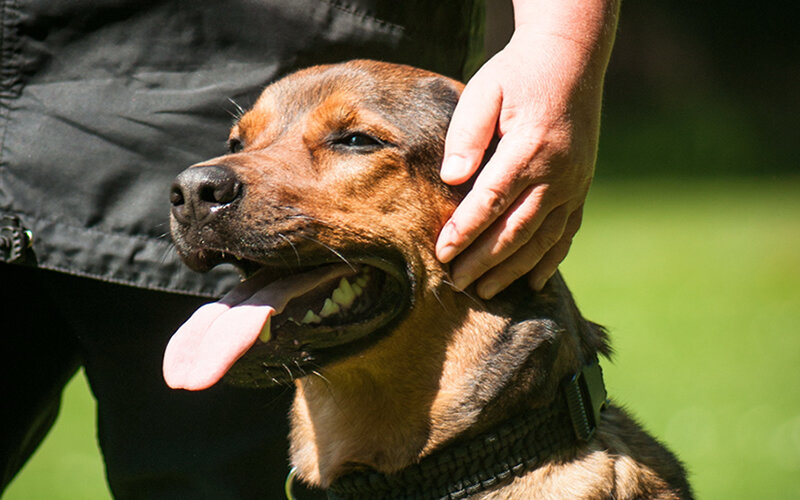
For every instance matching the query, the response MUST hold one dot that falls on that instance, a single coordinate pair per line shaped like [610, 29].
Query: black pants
[221, 443]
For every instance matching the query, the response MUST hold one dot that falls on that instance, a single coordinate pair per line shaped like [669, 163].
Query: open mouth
[278, 324]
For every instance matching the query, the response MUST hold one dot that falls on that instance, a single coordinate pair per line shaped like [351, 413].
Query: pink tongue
[209, 343]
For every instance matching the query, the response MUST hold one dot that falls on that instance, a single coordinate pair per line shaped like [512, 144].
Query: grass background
[699, 283]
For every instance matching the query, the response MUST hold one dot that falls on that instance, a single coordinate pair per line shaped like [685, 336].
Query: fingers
[471, 129]
[498, 186]
[519, 217]
[499, 266]
[503, 265]
[502, 238]
[549, 262]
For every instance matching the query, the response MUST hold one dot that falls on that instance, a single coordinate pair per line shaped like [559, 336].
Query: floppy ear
[444, 93]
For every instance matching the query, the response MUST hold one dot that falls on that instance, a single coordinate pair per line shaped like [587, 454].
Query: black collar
[494, 458]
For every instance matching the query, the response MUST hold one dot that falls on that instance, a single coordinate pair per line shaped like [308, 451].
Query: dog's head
[330, 203]
[332, 182]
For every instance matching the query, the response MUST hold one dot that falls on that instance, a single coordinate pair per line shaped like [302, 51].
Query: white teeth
[341, 298]
[310, 317]
[266, 332]
[344, 295]
[329, 308]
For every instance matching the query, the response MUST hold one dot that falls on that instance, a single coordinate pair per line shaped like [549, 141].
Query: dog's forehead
[388, 90]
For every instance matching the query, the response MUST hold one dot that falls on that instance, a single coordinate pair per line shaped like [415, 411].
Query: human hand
[541, 95]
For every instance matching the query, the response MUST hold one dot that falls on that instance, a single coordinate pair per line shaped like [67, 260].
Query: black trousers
[221, 443]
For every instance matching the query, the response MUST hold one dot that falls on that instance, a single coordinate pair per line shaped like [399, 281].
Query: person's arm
[541, 95]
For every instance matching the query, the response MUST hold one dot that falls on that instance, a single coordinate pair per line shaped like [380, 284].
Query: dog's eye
[235, 145]
[357, 140]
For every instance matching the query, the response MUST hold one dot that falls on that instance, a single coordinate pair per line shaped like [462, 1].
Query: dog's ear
[443, 93]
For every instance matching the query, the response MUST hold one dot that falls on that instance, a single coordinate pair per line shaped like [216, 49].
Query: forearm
[576, 35]
[589, 23]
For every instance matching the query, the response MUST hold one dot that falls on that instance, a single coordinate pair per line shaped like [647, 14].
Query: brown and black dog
[330, 203]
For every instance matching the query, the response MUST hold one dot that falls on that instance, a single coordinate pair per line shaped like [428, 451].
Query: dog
[329, 203]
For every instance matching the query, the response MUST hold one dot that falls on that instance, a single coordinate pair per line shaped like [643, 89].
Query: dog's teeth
[329, 308]
[310, 317]
[362, 281]
[344, 295]
[357, 289]
[266, 332]
[238, 257]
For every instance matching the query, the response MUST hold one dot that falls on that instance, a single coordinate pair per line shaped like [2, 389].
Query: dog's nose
[198, 192]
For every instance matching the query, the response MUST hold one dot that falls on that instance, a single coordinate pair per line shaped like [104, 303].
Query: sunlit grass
[700, 286]
[68, 465]
[699, 283]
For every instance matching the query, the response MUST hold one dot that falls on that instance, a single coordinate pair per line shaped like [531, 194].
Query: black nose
[198, 192]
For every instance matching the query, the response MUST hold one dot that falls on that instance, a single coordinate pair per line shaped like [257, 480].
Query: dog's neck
[383, 414]
[492, 459]
[386, 411]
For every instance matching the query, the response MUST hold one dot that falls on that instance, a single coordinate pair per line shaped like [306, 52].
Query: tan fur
[439, 374]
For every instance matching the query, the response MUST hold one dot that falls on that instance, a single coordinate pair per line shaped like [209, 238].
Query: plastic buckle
[586, 398]
[15, 240]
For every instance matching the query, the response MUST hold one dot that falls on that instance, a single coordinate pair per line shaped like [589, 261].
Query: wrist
[587, 26]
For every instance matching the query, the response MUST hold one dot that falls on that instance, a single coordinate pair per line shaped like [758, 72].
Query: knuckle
[513, 237]
[493, 200]
[482, 265]
[521, 231]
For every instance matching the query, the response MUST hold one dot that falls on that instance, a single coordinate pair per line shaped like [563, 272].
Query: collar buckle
[586, 398]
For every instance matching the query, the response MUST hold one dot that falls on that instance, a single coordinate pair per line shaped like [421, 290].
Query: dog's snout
[198, 192]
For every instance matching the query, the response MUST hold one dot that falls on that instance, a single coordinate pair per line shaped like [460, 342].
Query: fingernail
[453, 168]
[446, 253]
[446, 248]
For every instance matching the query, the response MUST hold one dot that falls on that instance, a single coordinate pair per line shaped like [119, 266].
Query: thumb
[471, 129]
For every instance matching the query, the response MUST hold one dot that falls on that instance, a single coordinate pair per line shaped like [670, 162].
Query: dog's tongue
[218, 334]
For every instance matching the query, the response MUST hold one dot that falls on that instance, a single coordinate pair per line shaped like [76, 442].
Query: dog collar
[494, 458]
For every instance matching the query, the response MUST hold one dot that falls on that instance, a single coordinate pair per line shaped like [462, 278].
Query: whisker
[329, 387]
[239, 110]
[287, 240]
[332, 250]
[285, 388]
[477, 301]
[439, 299]
[320, 375]
[168, 251]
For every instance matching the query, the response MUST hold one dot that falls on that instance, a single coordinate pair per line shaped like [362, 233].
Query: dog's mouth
[278, 324]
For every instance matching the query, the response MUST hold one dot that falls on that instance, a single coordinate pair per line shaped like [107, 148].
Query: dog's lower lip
[205, 259]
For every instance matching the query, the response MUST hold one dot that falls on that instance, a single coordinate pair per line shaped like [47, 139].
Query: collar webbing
[493, 458]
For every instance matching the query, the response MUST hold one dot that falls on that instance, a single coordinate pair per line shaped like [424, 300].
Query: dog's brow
[253, 125]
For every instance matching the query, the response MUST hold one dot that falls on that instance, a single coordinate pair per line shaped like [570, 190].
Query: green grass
[68, 465]
[699, 283]
[700, 286]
